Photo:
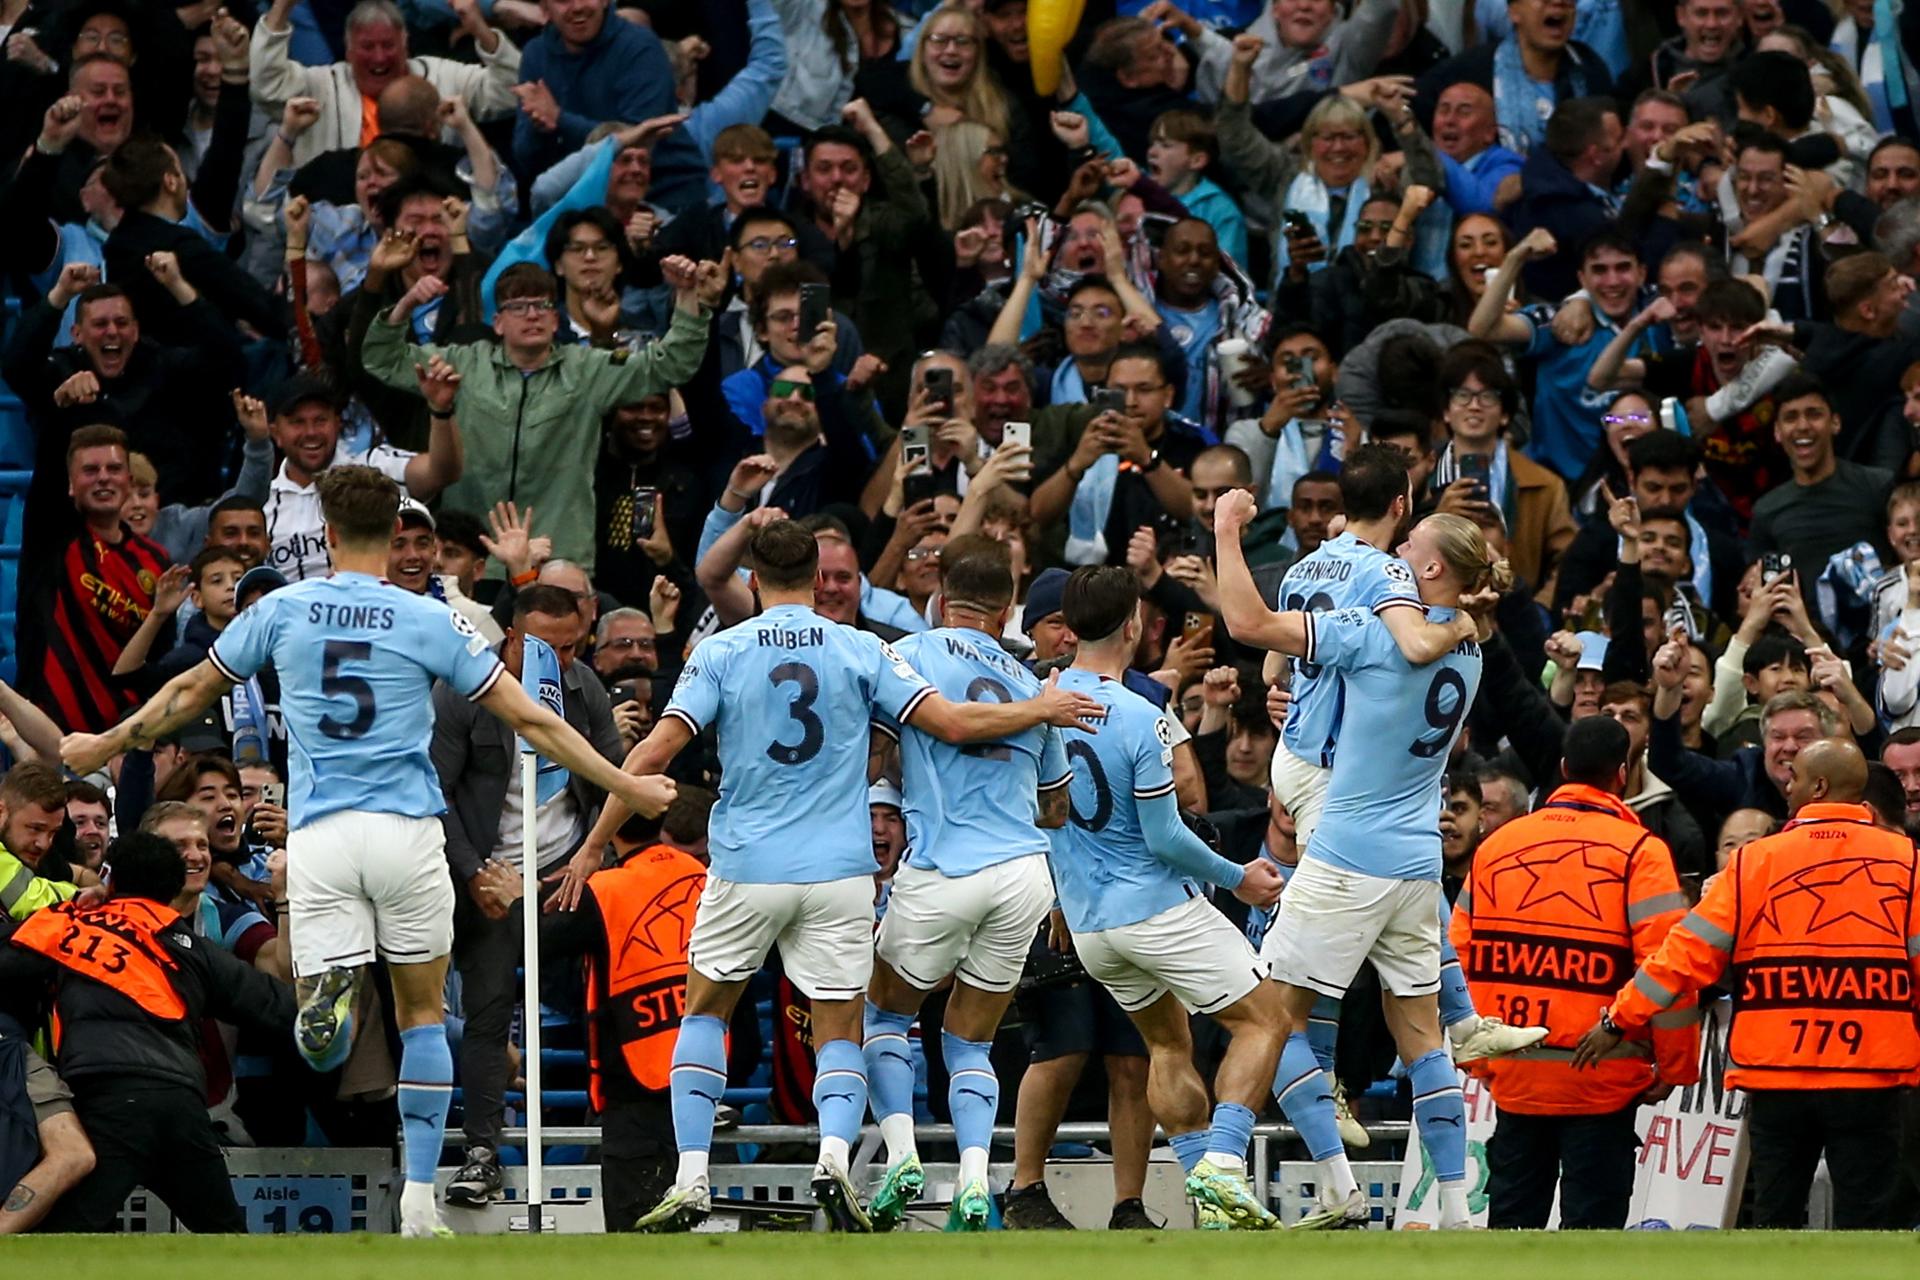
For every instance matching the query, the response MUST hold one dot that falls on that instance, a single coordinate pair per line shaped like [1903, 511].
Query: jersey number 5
[812, 732]
[335, 685]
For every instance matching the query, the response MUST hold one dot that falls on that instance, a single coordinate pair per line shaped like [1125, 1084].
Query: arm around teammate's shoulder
[958, 722]
[1422, 641]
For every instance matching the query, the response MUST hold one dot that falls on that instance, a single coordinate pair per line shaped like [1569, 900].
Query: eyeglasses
[1102, 313]
[528, 307]
[918, 554]
[945, 40]
[589, 248]
[631, 642]
[1626, 419]
[781, 389]
[94, 39]
[997, 153]
[1366, 226]
[1138, 393]
[767, 244]
[1463, 396]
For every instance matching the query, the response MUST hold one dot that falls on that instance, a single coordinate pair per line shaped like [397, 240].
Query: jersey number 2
[998, 693]
[335, 685]
[812, 732]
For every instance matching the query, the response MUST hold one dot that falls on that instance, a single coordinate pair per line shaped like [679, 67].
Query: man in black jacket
[130, 988]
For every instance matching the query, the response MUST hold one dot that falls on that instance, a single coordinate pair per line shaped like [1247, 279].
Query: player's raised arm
[1422, 641]
[178, 702]
[1247, 617]
[958, 722]
[649, 756]
[557, 740]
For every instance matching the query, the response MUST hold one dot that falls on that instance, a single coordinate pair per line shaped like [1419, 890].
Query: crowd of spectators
[605, 288]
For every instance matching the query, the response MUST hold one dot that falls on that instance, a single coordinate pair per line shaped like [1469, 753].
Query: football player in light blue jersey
[972, 888]
[793, 695]
[366, 860]
[1368, 886]
[1129, 873]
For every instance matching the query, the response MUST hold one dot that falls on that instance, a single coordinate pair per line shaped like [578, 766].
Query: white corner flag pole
[530, 937]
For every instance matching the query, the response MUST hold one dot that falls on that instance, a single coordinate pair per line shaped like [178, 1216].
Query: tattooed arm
[175, 706]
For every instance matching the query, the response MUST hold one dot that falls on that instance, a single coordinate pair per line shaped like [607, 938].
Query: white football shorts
[1191, 950]
[361, 885]
[978, 927]
[1331, 919]
[825, 932]
[1302, 787]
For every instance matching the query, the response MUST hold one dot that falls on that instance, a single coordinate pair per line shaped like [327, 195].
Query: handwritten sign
[1693, 1146]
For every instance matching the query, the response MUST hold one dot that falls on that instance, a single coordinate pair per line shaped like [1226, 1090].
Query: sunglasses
[783, 390]
[1367, 226]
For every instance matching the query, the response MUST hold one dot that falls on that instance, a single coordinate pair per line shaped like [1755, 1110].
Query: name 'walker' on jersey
[972, 807]
[1382, 816]
[357, 658]
[1105, 872]
[794, 696]
[1342, 573]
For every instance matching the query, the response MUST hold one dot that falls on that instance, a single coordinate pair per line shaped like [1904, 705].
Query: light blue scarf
[1521, 103]
[1312, 197]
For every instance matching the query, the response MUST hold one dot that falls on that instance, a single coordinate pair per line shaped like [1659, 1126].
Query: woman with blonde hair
[950, 71]
[969, 165]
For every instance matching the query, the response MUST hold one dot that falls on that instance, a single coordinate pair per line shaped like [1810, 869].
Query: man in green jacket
[530, 411]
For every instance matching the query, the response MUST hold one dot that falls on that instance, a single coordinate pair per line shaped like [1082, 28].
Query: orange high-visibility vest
[1560, 906]
[113, 943]
[1818, 930]
[637, 988]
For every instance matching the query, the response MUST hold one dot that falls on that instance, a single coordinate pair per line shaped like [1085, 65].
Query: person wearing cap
[533, 409]
[415, 550]
[306, 427]
[884, 806]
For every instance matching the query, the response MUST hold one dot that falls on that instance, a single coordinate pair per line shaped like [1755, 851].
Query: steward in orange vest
[632, 925]
[130, 985]
[1559, 907]
[1818, 932]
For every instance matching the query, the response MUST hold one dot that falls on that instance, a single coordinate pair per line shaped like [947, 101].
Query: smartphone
[1678, 617]
[1108, 400]
[1774, 564]
[939, 385]
[916, 447]
[1476, 467]
[1298, 223]
[1198, 627]
[644, 497]
[1017, 433]
[816, 308]
[625, 691]
[274, 793]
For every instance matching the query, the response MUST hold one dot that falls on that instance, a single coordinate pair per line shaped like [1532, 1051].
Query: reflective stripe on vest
[1821, 976]
[113, 943]
[647, 905]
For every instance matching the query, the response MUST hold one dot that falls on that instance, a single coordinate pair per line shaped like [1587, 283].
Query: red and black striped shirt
[102, 593]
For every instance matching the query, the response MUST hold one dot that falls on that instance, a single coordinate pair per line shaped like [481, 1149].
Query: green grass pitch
[996, 1256]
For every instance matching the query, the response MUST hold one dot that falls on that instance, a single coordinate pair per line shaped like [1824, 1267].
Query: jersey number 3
[812, 732]
[335, 685]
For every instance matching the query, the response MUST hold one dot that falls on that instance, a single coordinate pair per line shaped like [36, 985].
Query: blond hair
[141, 473]
[1464, 548]
[956, 170]
[1335, 110]
[980, 99]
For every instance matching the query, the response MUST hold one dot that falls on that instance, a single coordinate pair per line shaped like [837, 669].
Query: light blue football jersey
[793, 696]
[1342, 573]
[973, 807]
[1382, 814]
[1104, 872]
[357, 658]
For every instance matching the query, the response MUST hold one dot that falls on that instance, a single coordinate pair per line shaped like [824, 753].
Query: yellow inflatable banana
[1050, 25]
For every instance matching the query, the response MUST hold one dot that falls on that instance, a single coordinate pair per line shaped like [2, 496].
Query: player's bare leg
[1438, 1112]
[1179, 1100]
[426, 1087]
[698, 1081]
